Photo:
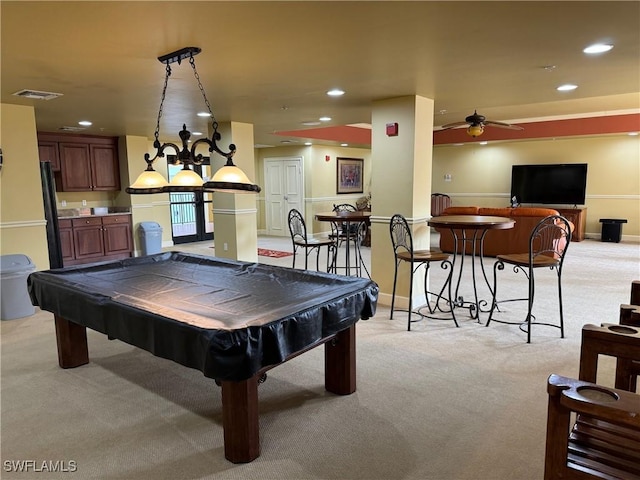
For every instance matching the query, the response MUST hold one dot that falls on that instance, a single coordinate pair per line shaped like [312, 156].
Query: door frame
[199, 204]
[286, 205]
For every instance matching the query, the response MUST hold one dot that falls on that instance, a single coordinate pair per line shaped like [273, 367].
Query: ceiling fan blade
[453, 125]
[491, 123]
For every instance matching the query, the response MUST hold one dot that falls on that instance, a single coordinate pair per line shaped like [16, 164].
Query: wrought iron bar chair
[402, 242]
[310, 244]
[548, 246]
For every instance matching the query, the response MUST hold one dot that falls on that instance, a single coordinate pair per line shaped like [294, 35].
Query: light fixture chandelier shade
[149, 181]
[187, 180]
[231, 179]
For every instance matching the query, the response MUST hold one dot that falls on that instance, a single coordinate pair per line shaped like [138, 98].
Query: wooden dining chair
[628, 371]
[308, 243]
[548, 246]
[402, 242]
[439, 202]
[593, 432]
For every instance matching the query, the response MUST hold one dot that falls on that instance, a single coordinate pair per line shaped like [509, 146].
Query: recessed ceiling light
[308, 124]
[85, 123]
[598, 48]
[344, 144]
[204, 114]
[633, 134]
[325, 119]
[336, 92]
[483, 143]
[567, 87]
[308, 143]
[196, 133]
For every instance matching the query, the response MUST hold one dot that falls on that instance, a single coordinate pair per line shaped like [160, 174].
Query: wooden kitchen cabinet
[66, 240]
[86, 163]
[105, 170]
[95, 239]
[88, 238]
[117, 235]
[48, 152]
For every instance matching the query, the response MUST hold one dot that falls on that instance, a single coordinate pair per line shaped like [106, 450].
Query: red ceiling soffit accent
[344, 134]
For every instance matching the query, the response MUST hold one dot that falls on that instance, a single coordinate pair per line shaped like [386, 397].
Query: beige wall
[319, 178]
[481, 175]
[22, 223]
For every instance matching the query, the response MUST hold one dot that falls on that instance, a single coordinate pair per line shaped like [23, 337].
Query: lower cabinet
[96, 239]
[66, 241]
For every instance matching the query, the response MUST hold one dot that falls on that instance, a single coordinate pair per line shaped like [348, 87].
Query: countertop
[92, 212]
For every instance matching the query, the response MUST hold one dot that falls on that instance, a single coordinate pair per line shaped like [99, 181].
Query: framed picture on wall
[350, 175]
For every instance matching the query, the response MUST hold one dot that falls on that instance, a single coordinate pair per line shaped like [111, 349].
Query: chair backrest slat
[297, 227]
[401, 238]
[551, 237]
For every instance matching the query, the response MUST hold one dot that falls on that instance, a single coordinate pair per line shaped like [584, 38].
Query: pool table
[231, 320]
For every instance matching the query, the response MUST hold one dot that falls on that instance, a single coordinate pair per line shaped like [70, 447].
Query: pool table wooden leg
[72, 343]
[240, 420]
[340, 363]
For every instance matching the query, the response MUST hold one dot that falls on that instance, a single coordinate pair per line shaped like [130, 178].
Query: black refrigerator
[51, 214]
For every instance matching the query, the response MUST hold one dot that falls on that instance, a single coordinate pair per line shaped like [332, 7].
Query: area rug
[264, 252]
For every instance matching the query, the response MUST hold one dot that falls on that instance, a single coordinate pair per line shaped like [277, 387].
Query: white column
[400, 183]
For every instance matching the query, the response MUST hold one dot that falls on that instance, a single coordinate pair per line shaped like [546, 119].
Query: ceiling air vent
[71, 129]
[37, 95]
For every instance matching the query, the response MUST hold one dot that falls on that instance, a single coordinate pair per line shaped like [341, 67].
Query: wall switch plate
[84, 203]
[63, 203]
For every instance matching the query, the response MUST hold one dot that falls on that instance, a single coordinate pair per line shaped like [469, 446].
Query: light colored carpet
[438, 402]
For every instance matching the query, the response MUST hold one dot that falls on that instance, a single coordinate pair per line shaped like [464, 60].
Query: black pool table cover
[226, 318]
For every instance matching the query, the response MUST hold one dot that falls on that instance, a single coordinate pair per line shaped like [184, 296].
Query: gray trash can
[150, 237]
[14, 298]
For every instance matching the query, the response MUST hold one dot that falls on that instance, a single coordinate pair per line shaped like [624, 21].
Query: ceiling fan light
[475, 130]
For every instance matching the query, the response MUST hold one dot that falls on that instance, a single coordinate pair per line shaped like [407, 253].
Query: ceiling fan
[476, 124]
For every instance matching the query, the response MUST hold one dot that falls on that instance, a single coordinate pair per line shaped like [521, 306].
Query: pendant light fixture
[228, 179]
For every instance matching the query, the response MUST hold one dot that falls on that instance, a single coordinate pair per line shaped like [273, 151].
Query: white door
[283, 191]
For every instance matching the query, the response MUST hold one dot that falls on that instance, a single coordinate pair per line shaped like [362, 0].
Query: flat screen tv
[549, 184]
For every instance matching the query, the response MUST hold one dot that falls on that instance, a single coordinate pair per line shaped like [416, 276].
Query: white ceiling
[271, 63]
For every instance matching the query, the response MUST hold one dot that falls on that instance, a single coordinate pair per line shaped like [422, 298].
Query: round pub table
[479, 225]
[342, 223]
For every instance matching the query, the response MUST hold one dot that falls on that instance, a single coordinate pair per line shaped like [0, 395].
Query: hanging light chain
[164, 93]
[204, 95]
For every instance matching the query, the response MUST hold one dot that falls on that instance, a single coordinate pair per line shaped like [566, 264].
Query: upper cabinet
[86, 163]
[49, 153]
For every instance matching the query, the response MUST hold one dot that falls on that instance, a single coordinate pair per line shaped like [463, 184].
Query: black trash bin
[612, 229]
